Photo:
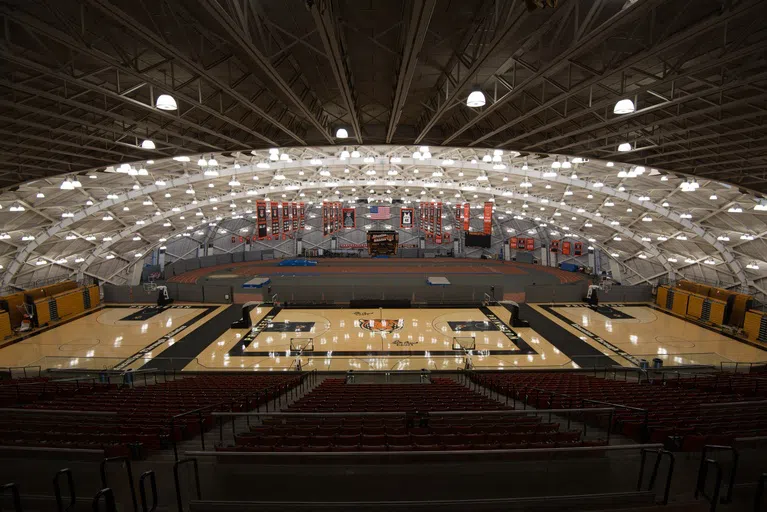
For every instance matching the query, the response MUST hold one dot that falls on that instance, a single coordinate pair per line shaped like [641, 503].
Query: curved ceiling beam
[100, 250]
[724, 251]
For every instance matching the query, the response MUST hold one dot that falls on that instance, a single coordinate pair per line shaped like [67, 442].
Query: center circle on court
[673, 341]
[79, 344]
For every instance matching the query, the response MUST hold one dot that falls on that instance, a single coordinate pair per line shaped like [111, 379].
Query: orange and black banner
[438, 223]
[466, 216]
[349, 218]
[285, 220]
[261, 219]
[275, 221]
[294, 215]
[488, 218]
[554, 246]
[325, 230]
[513, 242]
[566, 248]
[577, 248]
[301, 215]
[458, 212]
[406, 218]
[530, 245]
[430, 220]
[339, 206]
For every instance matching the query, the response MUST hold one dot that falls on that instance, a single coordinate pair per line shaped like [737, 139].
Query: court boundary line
[49, 326]
[549, 308]
[162, 339]
[708, 328]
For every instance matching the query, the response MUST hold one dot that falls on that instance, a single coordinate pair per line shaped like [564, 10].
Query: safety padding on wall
[755, 325]
[661, 297]
[237, 257]
[207, 261]
[5, 325]
[223, 259]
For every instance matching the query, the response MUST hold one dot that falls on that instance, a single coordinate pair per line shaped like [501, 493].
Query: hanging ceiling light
[487, 158]
[212, 161]
[753, 266]
[556, 164]
[40, 195]
[166, 102]
[234, 182]
[202, 162]
[625, 106]
[210, 172]
[263, 165]
[67, 185]
[624, 147]
[566, 164]
[735, 209]
[16, 208]
[147, 144]
[341, 133]
[475, 99]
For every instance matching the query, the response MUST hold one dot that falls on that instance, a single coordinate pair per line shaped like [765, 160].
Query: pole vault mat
[144, 313]
[611, 313]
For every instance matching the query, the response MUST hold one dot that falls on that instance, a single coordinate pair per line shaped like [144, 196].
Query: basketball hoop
[150, 286]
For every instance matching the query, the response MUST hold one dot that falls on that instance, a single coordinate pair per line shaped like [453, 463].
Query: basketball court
[107, 337]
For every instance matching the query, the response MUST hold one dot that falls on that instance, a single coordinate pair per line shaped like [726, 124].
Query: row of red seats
[671, 413]
[408, 431]
[143, 419]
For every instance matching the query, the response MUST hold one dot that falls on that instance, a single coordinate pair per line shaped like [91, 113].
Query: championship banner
[578, 249]
[294, 215]
[325, 223]
[438, 223]
[350, 218]
[458, 212]
[275, 221]
[488, 218]
[513, 242]
[422, 218]
[339, 206]
[301, 215]
[285, 220]
[530, 245]
[406, 218]
[554, 246]
[261, 219]
[466, 216]
[566, 248]
[430, 220]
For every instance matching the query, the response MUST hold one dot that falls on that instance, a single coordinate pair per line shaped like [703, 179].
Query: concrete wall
[556, 292]
[577, 291]
[181, 292]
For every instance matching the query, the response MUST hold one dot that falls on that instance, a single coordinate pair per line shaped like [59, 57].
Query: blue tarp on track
[298, 263]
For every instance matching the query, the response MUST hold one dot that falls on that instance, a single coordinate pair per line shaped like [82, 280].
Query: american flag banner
[380, 212]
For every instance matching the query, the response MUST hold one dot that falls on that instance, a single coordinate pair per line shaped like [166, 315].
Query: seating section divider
[413, 417]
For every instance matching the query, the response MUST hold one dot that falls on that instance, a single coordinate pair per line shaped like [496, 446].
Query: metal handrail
[199, 411]
[142, 490]
[176, 465]
[23, 368]
[574, 449]
[129, 470]
[14, 493]
[498, 412]
[109, 499]
[651, 485]
[700, 489]
[735, 457]
[57, 490]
